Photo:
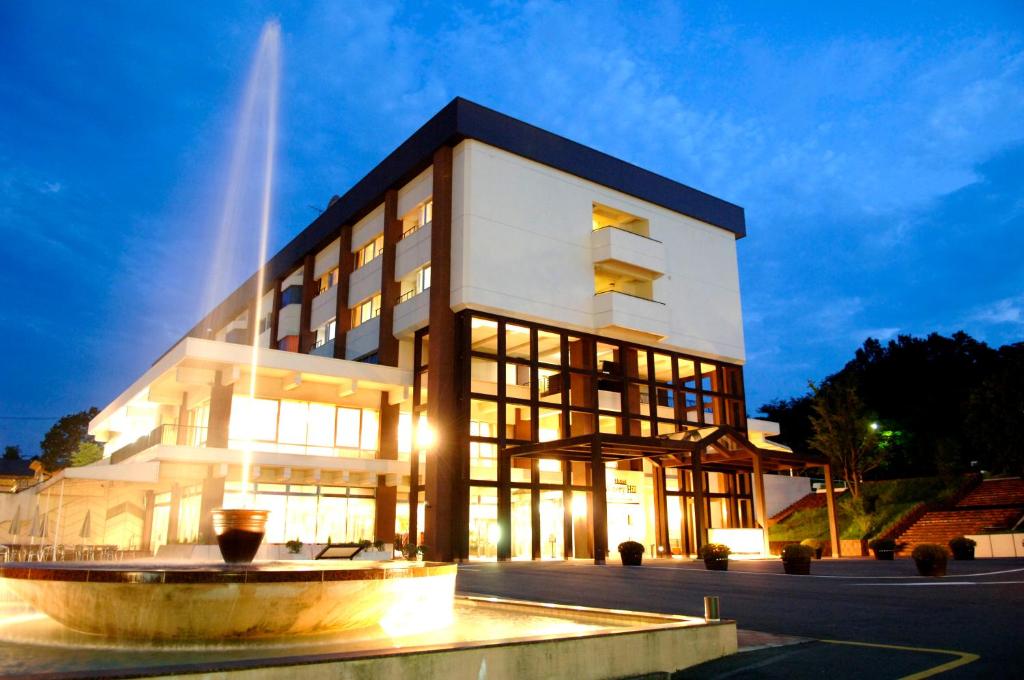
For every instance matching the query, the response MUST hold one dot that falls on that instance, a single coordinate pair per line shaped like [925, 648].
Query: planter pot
[797, 567]
[630, 559]
[930, 567]
[717, 564]
[239, 533]
[817, 553]
[884, 554]
[963, 553]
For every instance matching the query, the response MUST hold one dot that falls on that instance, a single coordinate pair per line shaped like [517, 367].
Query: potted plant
[715, 556]
[796, 559]
[884, 548]
[963, 548]
[814, 545]
[930, 559]
[294, 547]
[631, 553]
[378, 545]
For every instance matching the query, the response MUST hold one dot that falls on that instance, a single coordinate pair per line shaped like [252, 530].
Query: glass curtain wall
[529, 383]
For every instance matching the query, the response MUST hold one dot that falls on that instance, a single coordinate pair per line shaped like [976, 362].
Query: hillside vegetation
[882, 504]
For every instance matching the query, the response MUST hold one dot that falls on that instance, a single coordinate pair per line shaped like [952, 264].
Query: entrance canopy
[720, 446]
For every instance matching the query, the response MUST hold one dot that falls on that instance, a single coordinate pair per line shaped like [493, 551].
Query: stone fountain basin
[145, 601]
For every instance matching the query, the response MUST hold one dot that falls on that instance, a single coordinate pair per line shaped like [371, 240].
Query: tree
[844, 431]
[87, 452]
[62, 440]
[794, 419]
[995, 414]
[12, 452]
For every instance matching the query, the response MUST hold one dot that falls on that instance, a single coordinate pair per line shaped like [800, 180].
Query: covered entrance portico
[680, 464]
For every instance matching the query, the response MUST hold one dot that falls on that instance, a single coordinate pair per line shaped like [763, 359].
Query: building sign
[624, 486]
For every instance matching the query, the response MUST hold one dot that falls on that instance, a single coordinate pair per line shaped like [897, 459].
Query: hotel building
[498, 344]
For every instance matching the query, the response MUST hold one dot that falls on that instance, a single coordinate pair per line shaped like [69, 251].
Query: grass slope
[881, 505]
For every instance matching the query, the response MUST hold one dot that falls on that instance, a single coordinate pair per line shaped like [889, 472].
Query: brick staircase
[811, 500]
[990, 504]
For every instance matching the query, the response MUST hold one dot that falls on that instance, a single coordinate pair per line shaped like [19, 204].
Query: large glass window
[366, 310]
[369, 252]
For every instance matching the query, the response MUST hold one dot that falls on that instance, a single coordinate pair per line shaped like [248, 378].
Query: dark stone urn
[239, 533]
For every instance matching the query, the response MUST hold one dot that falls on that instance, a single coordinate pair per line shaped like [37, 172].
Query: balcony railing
[162, 434]
[622, 292]
[612, 226]
[407, 295]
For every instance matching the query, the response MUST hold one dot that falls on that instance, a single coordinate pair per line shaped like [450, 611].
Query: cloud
[1006, 311]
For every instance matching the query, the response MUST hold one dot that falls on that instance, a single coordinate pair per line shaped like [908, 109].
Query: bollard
[711, 608]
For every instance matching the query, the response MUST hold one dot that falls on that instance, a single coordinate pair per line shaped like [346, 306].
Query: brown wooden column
[700, 535]
[387, 355]
[220, 413]
[661, 535]
[306, 309]
[567, 529]
[447, 494]
[342, 315]
[275, 314]
[760, 506]
[599, 501]
[833, 520]
[535, 545]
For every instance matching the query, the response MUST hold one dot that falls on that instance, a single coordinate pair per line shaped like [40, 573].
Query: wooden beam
[700, 536]
[275, 314]
[760, 508]
[599, 502]
[833, 519]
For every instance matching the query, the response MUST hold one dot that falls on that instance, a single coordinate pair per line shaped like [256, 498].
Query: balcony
[614, 247]
[171, 435]
[325, 307]
[412, 313]
[364, 282]
[413, 251]
[362, 339]
[615, 309]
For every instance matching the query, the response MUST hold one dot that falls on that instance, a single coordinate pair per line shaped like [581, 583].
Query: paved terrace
[974, 616]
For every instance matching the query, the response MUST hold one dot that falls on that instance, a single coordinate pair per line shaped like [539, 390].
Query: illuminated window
[325, 333]
[348, 428]
[253, 419]
[365, 311]
[418, 217]
[370, 430]
[292, 428]
[326, 282]
[415, 284]
[369, 252]
[320, 425]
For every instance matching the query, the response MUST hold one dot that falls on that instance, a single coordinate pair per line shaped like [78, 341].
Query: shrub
[962, 543]
[364, 544]
[930, 552]
[378, 545]
[882, 544]
[294, 546]
[631, 547]
[797, 552]
[812, 543]
[714, 551]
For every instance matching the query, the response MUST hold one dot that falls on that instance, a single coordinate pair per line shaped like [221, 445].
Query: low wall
[999, 545]
[781, 491]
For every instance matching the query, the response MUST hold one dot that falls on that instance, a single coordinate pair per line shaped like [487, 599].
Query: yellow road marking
[963, 658]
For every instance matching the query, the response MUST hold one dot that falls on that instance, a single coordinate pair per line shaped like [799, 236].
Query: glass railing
[163, 434]
[628, 231]
[622, 292]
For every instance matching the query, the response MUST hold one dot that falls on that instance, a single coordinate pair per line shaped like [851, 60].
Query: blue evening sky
[878, 150]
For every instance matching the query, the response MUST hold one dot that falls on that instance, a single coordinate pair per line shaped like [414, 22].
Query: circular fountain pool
[148, 601]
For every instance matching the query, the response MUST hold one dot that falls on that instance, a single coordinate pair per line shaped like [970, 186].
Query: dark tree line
[935, 405]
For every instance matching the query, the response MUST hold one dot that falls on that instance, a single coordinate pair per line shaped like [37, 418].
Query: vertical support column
[149, 500]
[833, 520]
[700, 534]
[567, 529]
[446, 513]
[342, 316]
[535, 545]
[599, 501]
[387, 355]
[306, 309]
[212, 497]
[182, 436]
[760, 507]
[172, 513]
[220, 413]
[661, 535]
[275, 314]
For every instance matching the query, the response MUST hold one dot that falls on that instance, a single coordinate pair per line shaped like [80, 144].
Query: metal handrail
[612, 226]
[407, 295]
[620, 292]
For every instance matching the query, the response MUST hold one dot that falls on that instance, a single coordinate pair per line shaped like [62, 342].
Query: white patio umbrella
[86, 530]
[15, 522]
[34, 529]
[42, 527]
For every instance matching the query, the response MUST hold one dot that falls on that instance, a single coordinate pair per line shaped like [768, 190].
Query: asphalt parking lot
[857, 618]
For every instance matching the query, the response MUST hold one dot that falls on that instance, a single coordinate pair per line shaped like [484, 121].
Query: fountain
[371, 619]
